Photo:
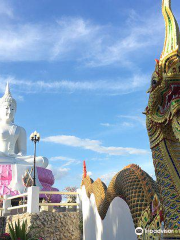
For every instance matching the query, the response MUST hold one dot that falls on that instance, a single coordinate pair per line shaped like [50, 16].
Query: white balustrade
[33, 205]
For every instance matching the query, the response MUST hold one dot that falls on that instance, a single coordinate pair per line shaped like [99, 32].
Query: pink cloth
[45, 176]
[5, 179]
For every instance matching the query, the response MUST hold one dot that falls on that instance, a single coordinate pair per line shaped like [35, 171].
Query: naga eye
[154, 82]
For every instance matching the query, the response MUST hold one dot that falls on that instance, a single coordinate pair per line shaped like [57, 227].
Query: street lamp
[35, 137]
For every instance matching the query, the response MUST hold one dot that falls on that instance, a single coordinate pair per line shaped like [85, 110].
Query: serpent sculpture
[154, 204]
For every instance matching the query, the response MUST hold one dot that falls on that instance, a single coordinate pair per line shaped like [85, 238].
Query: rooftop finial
[84, 170]
[172, 37]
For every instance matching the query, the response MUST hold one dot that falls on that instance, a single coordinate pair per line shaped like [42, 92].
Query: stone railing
[33, 205]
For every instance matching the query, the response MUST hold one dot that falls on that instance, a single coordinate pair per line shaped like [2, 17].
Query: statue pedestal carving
[45, 177]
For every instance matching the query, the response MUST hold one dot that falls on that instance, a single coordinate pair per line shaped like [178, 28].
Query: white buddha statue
[13, 143]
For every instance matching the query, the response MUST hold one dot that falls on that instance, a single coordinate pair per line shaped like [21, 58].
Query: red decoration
[161, 216]
[84, 170]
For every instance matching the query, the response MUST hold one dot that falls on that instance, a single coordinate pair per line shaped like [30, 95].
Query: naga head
[164, 100]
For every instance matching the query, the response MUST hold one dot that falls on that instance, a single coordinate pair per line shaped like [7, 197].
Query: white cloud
[93, 145]
[136, 119]
[68, 161]
[89, 174]
[131, 122]
[106, 124]
[106, 158]
[58, 173]
[61, 158]
[83, 41]
[100, 86]
[79, 39]
[127, 124]
[107, 177]
[73, 33]
[6, 9]
[35, 42]
[140, 34]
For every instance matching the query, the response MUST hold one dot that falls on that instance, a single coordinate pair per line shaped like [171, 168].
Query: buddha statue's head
[7, 106]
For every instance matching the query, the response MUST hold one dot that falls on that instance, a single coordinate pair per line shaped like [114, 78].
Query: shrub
[19, 232]
[71, 198]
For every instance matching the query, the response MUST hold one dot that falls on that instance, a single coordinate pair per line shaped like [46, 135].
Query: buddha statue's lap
[13, 147]
[23, 160]
[13, 142]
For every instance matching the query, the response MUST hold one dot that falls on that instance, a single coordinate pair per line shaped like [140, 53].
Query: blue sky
[79, 71]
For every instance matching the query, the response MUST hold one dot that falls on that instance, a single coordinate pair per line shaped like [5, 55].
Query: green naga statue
[154, 205]
[163, 121]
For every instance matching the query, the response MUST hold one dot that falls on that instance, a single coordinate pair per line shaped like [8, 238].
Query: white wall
[117, 225]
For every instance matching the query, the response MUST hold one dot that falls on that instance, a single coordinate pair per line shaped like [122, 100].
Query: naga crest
[164, 100]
